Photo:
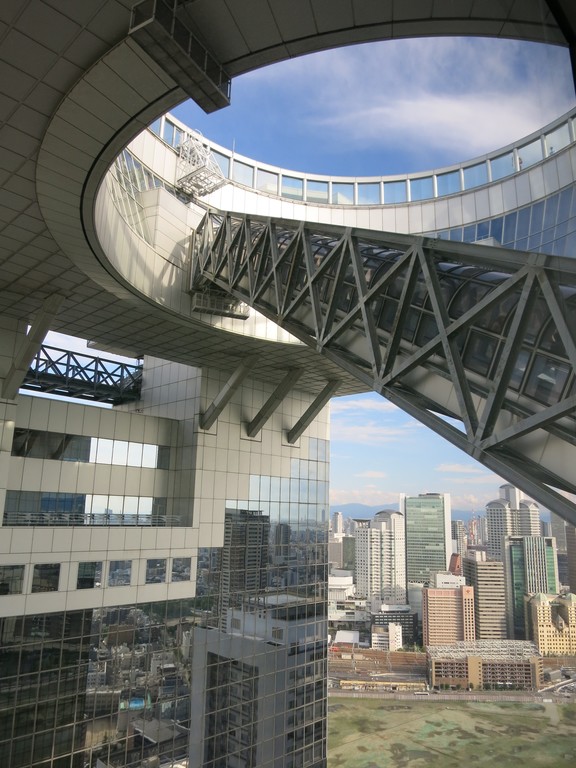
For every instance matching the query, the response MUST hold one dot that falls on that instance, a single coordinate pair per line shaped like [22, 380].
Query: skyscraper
[428, 534]
[510, 515]
[530, 566]
[380, 559]
[487, 579]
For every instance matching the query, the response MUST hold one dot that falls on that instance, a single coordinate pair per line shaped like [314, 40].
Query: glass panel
[394, 192]
[120, 453]
[558, 139]
[551, 212]
[134, 458]
[546, 380]
[421, 189]
[181, 568]
[149, 456]
[502, 166]
[537, 218]
[156, 571]
[267, 182]
[163, 461]
[223, 162]
[317, 191]
[448, 183]
[89, 575]
[292, 188]
[156, 126]
[104, 451]
[368, 194]
[119, 573]
[342, 194]
[475, 176]
[11, 579]
[242, 173]
[530, 154]
[168, 132]
[523, 223]
[45, 577]
[509, 228]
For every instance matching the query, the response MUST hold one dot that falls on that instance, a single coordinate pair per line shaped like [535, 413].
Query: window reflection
[36, 444]
[11, 579]
[119, 573]
[156, 571]
[89, 575]
[45, 577]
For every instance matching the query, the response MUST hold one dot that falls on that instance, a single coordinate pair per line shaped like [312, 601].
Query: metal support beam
[313, 410]
[273, 402]
[222, 399]
[30, 346]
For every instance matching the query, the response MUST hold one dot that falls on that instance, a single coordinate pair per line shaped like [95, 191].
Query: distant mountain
[359, 510]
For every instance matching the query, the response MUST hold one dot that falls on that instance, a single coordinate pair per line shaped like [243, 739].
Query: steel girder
[476, 342]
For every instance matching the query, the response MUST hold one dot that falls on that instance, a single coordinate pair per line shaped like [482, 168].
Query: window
[448, 183]
[475, 176]
[292, 188]
[421, 189]
[267, 182]
[11, 579]
[156, 571]
[342, 194]
[243, 174]
[502, 166]
[181, 568]
[317, 191]
[89, 575]
[368, 194]
[119, 573]
[46, 577]
[394, 192]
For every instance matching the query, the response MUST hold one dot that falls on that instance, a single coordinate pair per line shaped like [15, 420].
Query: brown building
[447, 615]
[485, 664]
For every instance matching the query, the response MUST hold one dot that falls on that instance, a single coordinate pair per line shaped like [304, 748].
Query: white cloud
[362, 403]
[371, 433]
[462, 96]
[464, 468]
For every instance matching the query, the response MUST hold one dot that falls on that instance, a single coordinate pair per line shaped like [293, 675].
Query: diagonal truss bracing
[476, 342]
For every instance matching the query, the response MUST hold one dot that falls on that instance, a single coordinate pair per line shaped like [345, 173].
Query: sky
[391, 108]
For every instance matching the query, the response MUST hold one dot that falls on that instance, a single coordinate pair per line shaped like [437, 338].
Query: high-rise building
[459, 536]
[530, 567]
[428, 534]
[487, 579]
[447, 615]
[118, 647]
[510, 515]
[380, 558]
[337, 524]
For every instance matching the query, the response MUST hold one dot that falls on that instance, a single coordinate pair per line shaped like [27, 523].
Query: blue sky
[394, 107]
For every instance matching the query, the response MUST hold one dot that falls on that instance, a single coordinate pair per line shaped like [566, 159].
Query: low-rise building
[486, 664]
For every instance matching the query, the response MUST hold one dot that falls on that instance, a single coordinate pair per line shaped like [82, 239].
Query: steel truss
[82, 376]
[476, 342]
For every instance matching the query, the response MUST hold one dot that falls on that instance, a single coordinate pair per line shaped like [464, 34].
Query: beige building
[551, 623]
[448, 615]
[487, 579]
[486, 664]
